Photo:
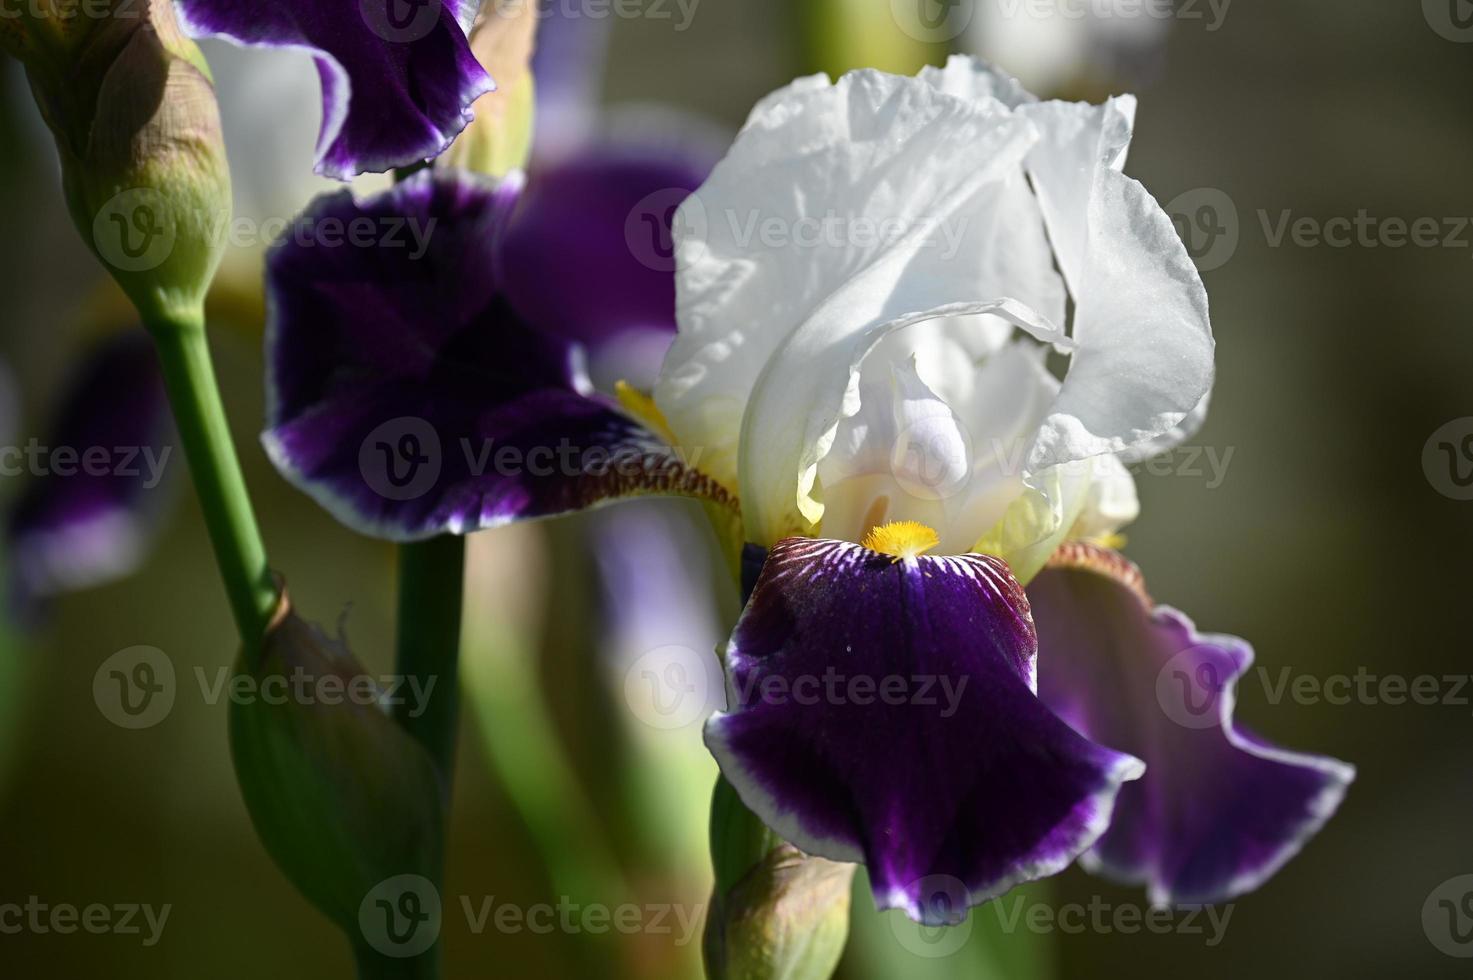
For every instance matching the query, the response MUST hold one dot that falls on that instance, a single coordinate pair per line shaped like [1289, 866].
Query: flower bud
[345, 801]
[131, 105]
[500, 139]
[776, 912]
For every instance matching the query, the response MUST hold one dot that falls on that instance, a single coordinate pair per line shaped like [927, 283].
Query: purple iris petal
[408, 393]
[883, 711]
[1219, 810]
[398, 76]
[96, 490]
[600, 219]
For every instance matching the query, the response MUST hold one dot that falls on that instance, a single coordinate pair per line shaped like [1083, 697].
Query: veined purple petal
[410, 397]
[398, 76]
[90, 504]
[1219, 810]
[883, 711]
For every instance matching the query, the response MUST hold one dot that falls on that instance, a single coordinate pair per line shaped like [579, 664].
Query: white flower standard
[876, 372]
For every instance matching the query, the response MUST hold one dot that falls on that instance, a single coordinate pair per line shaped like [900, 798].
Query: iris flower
[397, 78]
[869, 288]
[80, 524]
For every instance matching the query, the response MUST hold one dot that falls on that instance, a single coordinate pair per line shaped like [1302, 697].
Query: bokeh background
[1324, 539]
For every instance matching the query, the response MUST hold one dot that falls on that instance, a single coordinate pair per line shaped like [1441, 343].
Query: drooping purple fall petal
[883, 711]
[397, 77]
[1219, 810]
[98, 481]
[408, 393]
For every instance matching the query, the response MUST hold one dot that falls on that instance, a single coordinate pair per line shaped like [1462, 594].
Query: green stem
[431, 579]
[195, 397]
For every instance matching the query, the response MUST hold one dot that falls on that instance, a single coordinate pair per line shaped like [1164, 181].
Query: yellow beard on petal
[902, 539]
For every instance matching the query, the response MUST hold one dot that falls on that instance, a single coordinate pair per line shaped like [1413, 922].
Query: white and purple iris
[868, 289]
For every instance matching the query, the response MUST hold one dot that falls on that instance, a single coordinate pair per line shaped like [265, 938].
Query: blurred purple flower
[96, 484]
[415, 394]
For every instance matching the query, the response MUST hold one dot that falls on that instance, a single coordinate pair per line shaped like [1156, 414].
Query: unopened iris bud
[499, 140]
[131, 104]
[347, 804]
[776, 912]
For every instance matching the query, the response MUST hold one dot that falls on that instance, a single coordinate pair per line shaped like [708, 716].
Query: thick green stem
[431, 579]
[195, 397]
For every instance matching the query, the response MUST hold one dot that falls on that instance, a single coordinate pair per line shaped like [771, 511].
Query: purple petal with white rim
[1219, 810]
[883, 711]
[408, 394]
[86, 521]
[397, 78]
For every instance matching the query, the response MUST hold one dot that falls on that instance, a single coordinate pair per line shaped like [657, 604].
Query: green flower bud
[347, 804]
[132, 107]
[776, 913]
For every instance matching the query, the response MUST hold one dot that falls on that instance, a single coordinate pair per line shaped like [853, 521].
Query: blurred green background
[1323, 542]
